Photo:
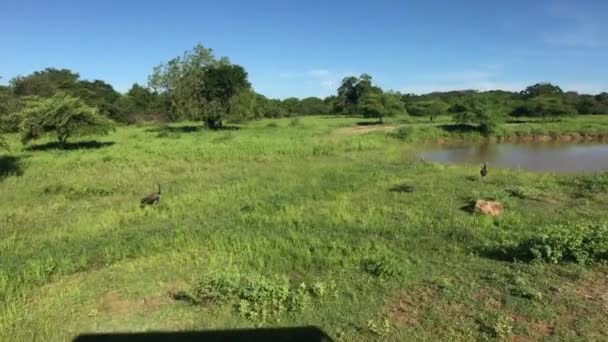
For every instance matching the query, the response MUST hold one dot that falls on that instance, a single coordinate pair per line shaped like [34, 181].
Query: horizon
[305, 50]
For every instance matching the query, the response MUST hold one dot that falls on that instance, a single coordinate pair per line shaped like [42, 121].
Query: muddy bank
[573, 137]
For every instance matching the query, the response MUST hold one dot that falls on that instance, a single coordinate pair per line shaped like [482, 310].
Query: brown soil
[363, 129]
[114, 303]
[406, 309]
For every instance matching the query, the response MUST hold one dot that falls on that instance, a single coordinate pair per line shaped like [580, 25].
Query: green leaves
[580, 243]
[259, 298]
[63, 115]
[203, 88]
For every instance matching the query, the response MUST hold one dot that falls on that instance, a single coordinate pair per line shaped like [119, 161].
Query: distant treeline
[197, 86]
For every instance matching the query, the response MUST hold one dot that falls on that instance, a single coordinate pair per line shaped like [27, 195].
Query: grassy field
[311, 221]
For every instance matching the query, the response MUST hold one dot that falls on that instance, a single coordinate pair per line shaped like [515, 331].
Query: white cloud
[324, 78]
[482, 78]
[425, 88]
[328, 84]
[289, 74]
[459, 76]
[318, 73]
[586, 88]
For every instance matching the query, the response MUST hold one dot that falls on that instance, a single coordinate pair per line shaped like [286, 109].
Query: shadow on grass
[369, 123]
[402, 188]
[469, 207]
[521, 121]
[183, 296]
[459, 128]
[507, 254]
[80, 145]
[473, 178]
[164, 130]
[10, 166]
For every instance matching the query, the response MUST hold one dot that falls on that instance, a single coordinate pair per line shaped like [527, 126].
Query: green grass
[283, 223]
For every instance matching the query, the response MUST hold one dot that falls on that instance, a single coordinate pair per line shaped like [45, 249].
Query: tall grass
[272, 200]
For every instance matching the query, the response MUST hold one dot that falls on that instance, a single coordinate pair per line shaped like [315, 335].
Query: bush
[382, 267]
[580, 243]
[256, 297]
[591, 183]
[64, 115]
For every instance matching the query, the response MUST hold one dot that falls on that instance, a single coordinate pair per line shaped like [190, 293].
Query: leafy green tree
[601, 104]
[542, 89]
[351, 92]
[180, 79]
[478, 111]
[313, 106]
[371, 105]
[431, 108]
[291, 105]
[9, 103]
[242, 106]
[97, 94]
[199, 86]
[63, 115]
[44, 83]
[270, 108]
[375, 104]
[225, 89]
[392, 104]
[545, 107]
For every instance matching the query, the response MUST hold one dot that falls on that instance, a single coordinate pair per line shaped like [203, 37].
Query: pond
[560, 157]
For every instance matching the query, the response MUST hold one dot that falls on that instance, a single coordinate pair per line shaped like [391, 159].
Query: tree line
[199, 86]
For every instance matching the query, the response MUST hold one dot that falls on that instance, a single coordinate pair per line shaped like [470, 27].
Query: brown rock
[488, 207]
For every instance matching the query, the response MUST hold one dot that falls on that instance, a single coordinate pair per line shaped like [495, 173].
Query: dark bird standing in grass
[151, 199]
[484, 170]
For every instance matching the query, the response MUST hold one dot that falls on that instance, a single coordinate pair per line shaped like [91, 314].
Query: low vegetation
[282, 222]
[291, 212]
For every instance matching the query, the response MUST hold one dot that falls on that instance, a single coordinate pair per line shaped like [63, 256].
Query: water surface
[537, 156]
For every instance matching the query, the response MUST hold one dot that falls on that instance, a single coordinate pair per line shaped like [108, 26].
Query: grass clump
[382, 267]
[258, 298]
[591, 184]
[580, 243]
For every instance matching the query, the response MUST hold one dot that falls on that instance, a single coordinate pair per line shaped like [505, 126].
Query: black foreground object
[312, 334]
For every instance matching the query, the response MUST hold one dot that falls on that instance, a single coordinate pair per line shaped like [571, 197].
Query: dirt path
[363, 129]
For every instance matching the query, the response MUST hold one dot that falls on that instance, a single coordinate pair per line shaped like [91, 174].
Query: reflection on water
[538, 156]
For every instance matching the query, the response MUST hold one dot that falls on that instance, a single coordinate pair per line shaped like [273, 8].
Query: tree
[222, 84]
[545, 106]
[270, 108]
[44, 83]
[312, 106]
[97, 94]
[392, 104]
[351, 92]
[478, 111]
[375, 104]
[542, 89]
[371, 105]
[63, 115]
[431, 108]
[9, 103]
[199, 86]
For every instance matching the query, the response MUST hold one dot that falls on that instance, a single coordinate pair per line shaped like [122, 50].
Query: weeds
[383, 267]
[258, 298]
[580, 243]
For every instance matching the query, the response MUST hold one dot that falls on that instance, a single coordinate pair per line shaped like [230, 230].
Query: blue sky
[304, 48]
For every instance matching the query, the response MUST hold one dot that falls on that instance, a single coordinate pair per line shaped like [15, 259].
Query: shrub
[64, 115]
[591, 183]
[403, 133]
[382, 267]
[258, 298]
[581, 243]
